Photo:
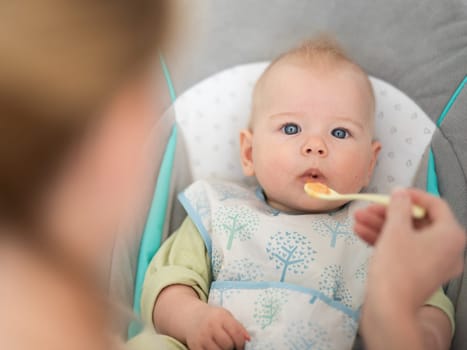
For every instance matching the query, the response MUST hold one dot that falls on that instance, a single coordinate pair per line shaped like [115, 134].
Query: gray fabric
[419, 46]
[420, 179]
[122, 271]
[181, 178]
[450, 150]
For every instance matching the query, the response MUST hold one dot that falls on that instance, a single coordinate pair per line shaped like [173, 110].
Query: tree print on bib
[236, 223]
[337, 226]
[333, 285]
[199, 201]
[244, 270]
[268, 306]
[307, 336]
[291, 252]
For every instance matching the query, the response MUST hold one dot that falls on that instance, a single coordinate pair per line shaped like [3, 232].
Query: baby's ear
[246, 152]
[375, 149]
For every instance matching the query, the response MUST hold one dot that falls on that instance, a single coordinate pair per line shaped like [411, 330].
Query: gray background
[419, 46]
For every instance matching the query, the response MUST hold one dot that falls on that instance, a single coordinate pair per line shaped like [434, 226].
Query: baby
[276, 269]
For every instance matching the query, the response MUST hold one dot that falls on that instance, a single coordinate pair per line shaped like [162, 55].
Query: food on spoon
[317, 187]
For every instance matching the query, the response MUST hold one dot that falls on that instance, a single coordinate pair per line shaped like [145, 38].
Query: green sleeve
[148, 339]
[442, 302]
[182, 259]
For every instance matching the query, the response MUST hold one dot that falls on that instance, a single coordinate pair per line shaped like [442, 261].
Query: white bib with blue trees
[295, 281]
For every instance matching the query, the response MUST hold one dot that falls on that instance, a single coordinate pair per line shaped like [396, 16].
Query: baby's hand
[215, 328]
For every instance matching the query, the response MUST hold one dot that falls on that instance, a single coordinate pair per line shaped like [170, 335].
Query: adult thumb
[399, 213]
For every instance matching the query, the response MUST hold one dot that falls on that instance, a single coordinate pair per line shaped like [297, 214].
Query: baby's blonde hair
[320, 49]
[321, 52]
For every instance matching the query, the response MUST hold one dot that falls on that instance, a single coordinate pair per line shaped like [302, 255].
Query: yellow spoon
[321, 191]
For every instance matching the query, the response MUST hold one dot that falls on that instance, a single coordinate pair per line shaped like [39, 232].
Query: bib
[295, 281]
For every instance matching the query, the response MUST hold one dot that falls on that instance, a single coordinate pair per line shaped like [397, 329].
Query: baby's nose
[315, 147]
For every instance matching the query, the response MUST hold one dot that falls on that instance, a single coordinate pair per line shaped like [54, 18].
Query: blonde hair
[322, 52]
[59, 62]
[320, 49]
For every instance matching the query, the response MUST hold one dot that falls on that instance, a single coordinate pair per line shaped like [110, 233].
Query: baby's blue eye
[291, 129]
[340, 133]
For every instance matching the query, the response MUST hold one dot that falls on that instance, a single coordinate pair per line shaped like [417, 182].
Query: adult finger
[377, 209]
[436, 207]
[365, 233]
[399, 212]
[369, 218]
[373, 209]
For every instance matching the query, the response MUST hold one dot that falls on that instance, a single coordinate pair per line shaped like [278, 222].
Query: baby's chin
[308, 205]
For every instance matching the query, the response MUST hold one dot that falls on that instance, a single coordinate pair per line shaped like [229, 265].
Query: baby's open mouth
[312, 175]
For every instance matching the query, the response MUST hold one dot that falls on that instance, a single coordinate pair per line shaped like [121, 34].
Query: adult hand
[413, 249]
[412, 258]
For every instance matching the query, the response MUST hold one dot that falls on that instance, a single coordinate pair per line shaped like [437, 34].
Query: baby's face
[310, 125]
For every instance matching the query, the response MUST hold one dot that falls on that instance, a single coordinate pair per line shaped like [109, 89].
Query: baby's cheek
[353, 174]
[273, 174]
[361, 176]
[274, 159]
[269, 178]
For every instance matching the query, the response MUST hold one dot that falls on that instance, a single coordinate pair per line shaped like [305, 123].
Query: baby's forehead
[281, 74]
[324, 67]
[276, 82]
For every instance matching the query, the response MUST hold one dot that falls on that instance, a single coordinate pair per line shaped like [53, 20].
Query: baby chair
[418, 47]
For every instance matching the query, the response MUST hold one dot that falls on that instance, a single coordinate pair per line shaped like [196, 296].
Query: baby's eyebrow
[352, 121]
[286, 114]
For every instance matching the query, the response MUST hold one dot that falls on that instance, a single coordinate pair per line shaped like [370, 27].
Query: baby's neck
[281, 208]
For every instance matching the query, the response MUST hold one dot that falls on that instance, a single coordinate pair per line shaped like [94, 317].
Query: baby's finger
[210, 344]
[237, 333]
[223, 339]
[367, 234]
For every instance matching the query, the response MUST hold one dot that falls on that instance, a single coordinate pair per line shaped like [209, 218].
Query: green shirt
[183, 259]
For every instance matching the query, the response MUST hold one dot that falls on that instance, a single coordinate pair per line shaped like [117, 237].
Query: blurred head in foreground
[74, 76]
